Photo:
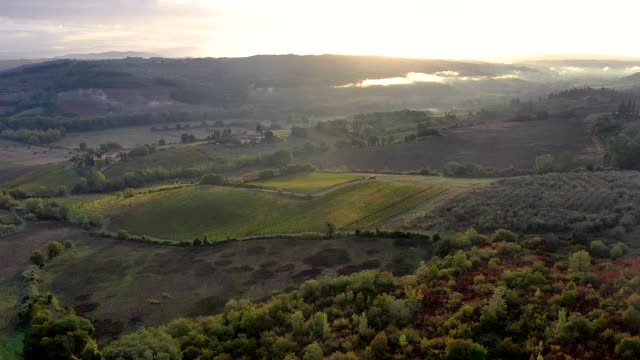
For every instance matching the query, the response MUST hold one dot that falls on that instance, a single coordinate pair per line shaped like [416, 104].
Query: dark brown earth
[495, 144]
[15, 249]
[122, 286]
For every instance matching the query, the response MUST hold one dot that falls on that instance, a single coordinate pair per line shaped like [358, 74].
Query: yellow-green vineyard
[186, 212]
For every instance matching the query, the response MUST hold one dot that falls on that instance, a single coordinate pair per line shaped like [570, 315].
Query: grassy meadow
[172, 158]
[49, 177]
[308, 182]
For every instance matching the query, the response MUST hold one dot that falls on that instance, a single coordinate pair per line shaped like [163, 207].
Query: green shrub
[599, 248]
[54, 248]
[212, 179]
[54, 332]
[631, 317]
[580, 260]
[123, 234]
[619, 250]
[7, 229]
[544, 163]
[504, 235]
[380, 345]
[463, 349]
[629, 348]
[38, 258]
[144, 344]
[265, 174]
[313, 351]
[458, 262]
[577, 327]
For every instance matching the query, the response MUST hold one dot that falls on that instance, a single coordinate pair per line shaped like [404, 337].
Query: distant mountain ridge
[12, 64]
[633, 77]
[273, 85]
[7, 64]
[115, 55]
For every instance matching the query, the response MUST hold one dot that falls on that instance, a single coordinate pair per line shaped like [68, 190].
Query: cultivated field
[50, 177]
[495, 144]
[200, 154]
[123, 285]
[582, 202]
[173, 158]
[448, 182]
[137, 135]
[229, 212]
[308, 182]
[186, 212]
[18, 155]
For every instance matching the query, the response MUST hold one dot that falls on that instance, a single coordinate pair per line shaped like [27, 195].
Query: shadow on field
[121, 285]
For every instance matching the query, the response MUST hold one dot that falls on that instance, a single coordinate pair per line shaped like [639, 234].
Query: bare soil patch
[496, 144]
[370, 264]
[84, 308]
[256, 250]
[328, 258]
[348, 269]
[223, 262]
[307, 274]
[139, 284]
[285, 268]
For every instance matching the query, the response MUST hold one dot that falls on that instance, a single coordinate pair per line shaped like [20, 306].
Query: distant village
[111, 152]
[222, 134]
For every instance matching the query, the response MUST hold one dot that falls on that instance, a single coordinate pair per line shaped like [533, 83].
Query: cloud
[563, 70]
[446, 76]
[57, 27]
[633, 69]
[448, 73]
[91, 10]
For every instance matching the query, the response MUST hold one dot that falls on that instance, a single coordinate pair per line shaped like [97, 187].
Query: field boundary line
[301, 195]
[408, 198]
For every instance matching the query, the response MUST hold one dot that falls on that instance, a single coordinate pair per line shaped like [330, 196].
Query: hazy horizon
[489, 31]
[117, 53]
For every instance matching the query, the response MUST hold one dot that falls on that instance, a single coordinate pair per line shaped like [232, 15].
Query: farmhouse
[250, 139]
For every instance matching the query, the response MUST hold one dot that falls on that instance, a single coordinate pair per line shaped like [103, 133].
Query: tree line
[59, 124]
[498, 296]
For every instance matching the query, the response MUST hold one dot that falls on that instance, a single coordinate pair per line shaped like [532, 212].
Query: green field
[449, 182]
[187, 212]
[308, 182]
[172, 158]
[396, 209]
[50, 177]
[282, 134]
[204, 154]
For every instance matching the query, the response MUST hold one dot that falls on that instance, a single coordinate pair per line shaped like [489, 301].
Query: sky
[449, 29]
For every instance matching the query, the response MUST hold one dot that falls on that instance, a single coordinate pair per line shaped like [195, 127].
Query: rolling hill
[269, 83]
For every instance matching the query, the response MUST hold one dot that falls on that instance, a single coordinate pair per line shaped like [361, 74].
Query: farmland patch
[580, 202]
[187, 212]
[496, 144]
[308, 182]
[159, 283]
